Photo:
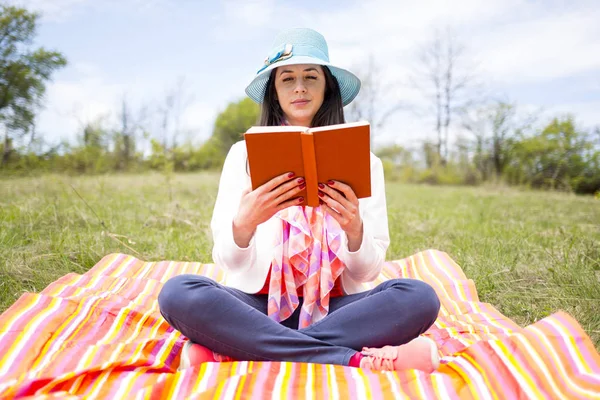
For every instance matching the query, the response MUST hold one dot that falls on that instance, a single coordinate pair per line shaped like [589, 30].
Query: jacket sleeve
[364, 264]
[226, 253]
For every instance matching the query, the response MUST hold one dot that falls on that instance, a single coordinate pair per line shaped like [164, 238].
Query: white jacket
[247, 268]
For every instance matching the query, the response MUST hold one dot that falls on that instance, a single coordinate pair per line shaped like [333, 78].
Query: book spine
[310, 169]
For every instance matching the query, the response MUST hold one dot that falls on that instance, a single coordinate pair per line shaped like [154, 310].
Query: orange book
[335, 152]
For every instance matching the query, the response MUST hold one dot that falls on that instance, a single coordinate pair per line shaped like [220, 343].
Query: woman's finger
[345, 215]
[276, 182]
[293, 202]
[247, 190]
[345, 189]
[335, 195]
[337, 216]
[286, 187]
[294, 191]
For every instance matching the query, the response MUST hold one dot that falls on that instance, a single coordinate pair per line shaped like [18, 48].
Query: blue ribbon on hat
[284, 52]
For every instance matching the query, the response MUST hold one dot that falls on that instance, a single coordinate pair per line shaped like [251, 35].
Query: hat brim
[348, 82]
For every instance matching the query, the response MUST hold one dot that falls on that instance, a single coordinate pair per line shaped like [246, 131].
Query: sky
[542, 55]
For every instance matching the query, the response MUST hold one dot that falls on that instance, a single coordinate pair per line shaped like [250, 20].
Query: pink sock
[355, 360]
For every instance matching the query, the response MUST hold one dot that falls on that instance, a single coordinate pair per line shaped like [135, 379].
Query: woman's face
[300, 92]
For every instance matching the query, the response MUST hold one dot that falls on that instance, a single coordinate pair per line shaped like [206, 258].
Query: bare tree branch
[371, 104]
[176, 101]
[444, 76]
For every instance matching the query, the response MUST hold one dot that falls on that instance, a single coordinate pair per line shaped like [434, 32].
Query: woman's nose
[300, 88]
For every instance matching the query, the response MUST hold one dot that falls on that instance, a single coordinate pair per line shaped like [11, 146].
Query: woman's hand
[339, 200]
[258, 206]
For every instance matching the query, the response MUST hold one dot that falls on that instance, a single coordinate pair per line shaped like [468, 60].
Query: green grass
[530, 253]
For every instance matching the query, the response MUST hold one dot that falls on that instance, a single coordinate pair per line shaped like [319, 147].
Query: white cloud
[61, 10]
[585, 113]
[51, 10]
[198, 118]
[254, 13]
[552, 47]
[73, 103]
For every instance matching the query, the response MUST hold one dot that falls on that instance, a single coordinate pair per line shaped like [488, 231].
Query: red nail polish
[320, 201]
[302, 186]
[321, 186]
[291, 175]
[321, 194]
[300, 180]
[300, 199]
[330, 183]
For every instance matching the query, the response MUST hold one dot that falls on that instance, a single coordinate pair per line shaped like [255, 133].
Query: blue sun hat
[301, 46]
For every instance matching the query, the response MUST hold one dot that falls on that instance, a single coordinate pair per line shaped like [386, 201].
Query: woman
[293, 290]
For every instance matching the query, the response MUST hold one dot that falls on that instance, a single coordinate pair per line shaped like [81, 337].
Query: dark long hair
[330, 113]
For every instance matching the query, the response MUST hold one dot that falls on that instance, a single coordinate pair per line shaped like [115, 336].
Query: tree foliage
[233, 122]
[24, 72]
[560, 157]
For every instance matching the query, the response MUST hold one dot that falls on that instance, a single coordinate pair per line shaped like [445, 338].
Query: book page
[274, 129]
[348, 125]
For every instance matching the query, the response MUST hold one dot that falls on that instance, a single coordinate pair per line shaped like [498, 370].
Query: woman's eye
[288, 79]
[311, 77]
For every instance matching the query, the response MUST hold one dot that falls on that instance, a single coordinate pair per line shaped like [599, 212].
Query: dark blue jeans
[233, 323]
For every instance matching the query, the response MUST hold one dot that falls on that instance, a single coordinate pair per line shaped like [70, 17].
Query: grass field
[530, 253]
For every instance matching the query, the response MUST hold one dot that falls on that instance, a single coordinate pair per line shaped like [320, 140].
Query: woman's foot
[193, 354]
[420, 353]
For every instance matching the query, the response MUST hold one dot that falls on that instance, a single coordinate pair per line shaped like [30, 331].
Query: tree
[175, 102]
[126, 136]
[23, 73]
[559, 157]
[397, 154]
[444, 77]
[495, 128]
[370, 104]
[233, 122]
[92, 154]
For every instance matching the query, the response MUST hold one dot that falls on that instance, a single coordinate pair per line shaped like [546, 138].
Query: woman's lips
[300, 102]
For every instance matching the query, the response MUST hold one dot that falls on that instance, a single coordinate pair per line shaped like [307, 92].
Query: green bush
[439, 175]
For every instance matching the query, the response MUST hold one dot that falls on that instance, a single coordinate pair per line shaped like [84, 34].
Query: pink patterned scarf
[304, 259]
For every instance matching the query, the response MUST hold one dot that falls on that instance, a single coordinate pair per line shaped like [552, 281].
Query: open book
[336, 152]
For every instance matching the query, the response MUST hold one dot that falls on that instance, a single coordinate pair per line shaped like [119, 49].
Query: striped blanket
[100, 335]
